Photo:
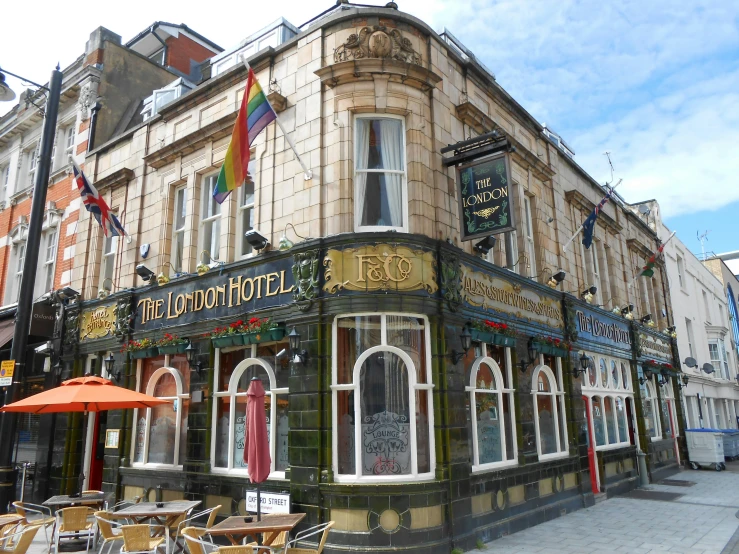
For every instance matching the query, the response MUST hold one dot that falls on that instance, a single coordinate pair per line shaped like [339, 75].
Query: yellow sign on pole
[6, 373]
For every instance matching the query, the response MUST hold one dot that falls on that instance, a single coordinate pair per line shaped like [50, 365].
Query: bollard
[642, 461]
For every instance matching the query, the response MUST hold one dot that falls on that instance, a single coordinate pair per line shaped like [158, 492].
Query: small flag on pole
[95, 204]
[648, 270]
[589, 225]
[254, 115]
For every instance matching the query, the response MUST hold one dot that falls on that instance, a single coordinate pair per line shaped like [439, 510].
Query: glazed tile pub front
[380, 419]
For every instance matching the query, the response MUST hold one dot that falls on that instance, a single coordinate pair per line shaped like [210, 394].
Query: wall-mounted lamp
[647, 375]
[110, 368]
[485, 245]
[466, 339]
[285, 243]
[256, 240]
[191, 353]
[663, 378]
[67, 293]
[584, 359]
[684, 380]
[523, 365]
[589, 293]
[646, 319]
[294, 342]
[145, 273]
[556, 279]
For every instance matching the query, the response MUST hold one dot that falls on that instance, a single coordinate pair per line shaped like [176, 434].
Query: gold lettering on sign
[233, 293]
[380, 267]
[97, 322]
[652, 346]
[493, 293]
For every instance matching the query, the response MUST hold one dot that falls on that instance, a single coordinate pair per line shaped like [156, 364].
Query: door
[95, 471]
[592, 462]
[673, 433]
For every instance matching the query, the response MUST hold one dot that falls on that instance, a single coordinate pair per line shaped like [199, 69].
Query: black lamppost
[8, 421]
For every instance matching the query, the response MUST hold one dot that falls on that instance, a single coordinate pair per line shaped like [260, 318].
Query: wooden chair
[73, 523]
[137, 538]
[108, 528]
[18, 542]
[324, 529]
[35, 514]
[195, 543]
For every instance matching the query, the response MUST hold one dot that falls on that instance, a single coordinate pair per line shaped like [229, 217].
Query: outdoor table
[236, 529]
[87, 499]
[144, 512]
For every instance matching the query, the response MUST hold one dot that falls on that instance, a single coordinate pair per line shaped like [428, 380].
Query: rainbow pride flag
[254, 115]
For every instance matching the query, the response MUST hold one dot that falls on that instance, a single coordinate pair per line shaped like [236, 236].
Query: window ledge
[365, 69]
[21, 195]
[369, 480]
[616, 446]
[557, 456]
[479, 470]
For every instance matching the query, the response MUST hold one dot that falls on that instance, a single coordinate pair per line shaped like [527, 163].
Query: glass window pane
[385, 415]
[649, 422]
[547, 437]
[247, 223]
[614, 374]
[354, 336]
[489, 442]
[598, 429]
[183, 405]
[625, 375]
[345, 418]
[592, 374]
[562, 415]
[162, 434]
[223, 404]
[407, 333]
[603, 373]
[621, 420]
[384, 143]
[666, 418]
[382, 205]
[542, 384]
[508, 424]
[423, 449]
[283, 429]
[239, 429]
[610, 421]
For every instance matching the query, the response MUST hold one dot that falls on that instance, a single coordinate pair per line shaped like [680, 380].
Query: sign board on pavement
[272, 503]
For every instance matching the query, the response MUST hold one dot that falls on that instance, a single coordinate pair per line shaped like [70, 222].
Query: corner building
[384, 423]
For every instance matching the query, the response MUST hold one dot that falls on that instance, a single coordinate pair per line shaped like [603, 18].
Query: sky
[655, 83]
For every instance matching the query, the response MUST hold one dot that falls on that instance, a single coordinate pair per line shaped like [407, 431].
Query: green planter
[504, 340]
[481, 336]
[152, 352]
[227, 340]
[545, 348]
[172, 349]
[266, 336]
[492, 338]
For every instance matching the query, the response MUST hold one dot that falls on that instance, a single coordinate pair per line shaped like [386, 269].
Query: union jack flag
[95, 204]
[589, 225]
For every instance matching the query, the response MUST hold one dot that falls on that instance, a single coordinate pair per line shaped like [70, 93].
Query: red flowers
[488, 326]
[254, 325]
[169, 339]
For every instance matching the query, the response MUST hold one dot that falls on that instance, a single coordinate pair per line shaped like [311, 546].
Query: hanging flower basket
[552, 346]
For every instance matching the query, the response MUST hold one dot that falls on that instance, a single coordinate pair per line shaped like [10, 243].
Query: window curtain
[391, 147]
[362, 155]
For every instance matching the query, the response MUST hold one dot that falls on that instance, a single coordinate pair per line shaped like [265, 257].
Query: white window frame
[206, 192]
[181, 396]
[404, 182]
[651, 396]
[681, 271]
[706, 306]
[33, 154]
[178, 234]
[69, 136]
[47, 266]
[241, 207]
[472, 389]
[231, 392]
[558, 403]
[715, 361]
[529, 239]
[18, 262]
[107, 261]
[691, 338]
[413, 387]
[5, 170]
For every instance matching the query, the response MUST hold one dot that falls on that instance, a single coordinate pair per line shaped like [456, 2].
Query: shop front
[661, 414]
[417, 396]
[605, 344]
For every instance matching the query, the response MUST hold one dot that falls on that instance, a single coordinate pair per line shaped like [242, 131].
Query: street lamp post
[8, 421]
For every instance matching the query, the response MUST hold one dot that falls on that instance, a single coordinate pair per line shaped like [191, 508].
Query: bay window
[382, 398]
[491, 413]
[380, 188]
[550, 418]
[234, 371]
[161, 431]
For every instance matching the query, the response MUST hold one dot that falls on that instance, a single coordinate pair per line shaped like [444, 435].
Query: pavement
[699, 517]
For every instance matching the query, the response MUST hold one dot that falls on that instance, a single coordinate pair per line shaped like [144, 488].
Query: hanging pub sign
[484, 199]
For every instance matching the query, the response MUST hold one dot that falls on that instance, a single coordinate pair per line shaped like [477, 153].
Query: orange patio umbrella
[83, 394]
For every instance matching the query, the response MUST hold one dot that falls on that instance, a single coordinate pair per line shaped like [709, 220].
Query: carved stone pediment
[377, 41]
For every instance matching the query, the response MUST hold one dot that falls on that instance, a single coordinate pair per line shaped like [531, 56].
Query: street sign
[272, 503]
[6, 373]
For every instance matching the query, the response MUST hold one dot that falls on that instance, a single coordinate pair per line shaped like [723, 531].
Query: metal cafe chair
[137, 539]
[18, 542]
[195, 543]
[323, 528]
[210, 512]
[41, 516]
[108, 528]
[73, 523]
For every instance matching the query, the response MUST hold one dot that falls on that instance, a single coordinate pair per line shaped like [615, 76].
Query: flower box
[152, 352]
[481, 336]
[492, 338]
[234, 339]
[172, 349]
[271, 335]
[551, 350]
[504, 340]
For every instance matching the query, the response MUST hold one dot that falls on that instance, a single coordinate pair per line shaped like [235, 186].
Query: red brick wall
[182, 49]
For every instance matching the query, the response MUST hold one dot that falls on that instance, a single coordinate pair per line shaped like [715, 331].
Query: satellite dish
[690, 362]
[708, 368]
[644, 209]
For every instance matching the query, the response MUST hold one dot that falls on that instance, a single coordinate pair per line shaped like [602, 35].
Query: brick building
[388, 423]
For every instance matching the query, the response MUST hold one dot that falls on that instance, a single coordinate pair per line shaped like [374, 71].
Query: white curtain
[362, 153]
[391, 148]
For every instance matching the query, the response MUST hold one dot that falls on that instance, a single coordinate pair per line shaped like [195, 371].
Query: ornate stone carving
[305, 275]
[71, 330]
[570, 320]
[123, 318]
[377, 41]
[451, 282]
[86, 100]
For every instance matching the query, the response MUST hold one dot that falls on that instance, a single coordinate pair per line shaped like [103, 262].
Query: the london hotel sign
[602, 329]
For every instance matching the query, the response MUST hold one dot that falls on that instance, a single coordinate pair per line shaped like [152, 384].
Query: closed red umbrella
[256, 449]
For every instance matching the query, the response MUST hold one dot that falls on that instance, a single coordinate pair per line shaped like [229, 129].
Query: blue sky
[654, 82]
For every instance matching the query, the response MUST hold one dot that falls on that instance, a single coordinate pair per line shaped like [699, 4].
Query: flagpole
[631, 284]
[579, 229]
[308, 173]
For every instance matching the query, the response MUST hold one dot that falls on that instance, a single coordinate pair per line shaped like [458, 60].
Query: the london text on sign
[589, 323]
[653, 347]
[97, 323]
[215, 295]
[484, 200]
[379, 267]
[492, 293]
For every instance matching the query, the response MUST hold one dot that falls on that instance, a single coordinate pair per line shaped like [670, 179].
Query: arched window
[549, 411]
[382, 402]
[649, 407]
[493, 424]
[603, 373]
[229, 415]
[668, 410]
[161, 431]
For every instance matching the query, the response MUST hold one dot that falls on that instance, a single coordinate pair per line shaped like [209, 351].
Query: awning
[7, 328]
